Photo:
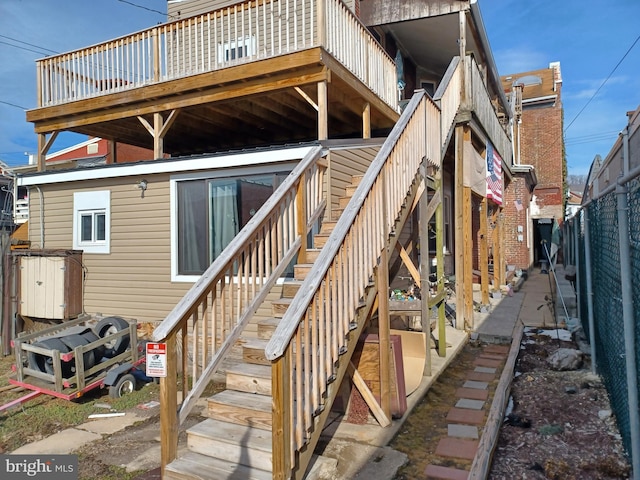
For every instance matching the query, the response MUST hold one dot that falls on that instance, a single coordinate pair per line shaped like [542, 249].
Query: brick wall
[542, 144]
[515, 249]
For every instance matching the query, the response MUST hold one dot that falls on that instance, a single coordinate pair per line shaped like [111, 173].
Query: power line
[592, 97]
[603, 83]
[22, 48]
[143, 7]
[30, 44]
[13, 105]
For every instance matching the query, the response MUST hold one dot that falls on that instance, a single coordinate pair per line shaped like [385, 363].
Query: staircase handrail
[287, 216]
[312, 335]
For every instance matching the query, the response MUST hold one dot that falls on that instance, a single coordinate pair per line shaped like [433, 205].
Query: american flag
[494, 175]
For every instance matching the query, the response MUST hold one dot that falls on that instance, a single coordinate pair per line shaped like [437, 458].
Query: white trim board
[240, 159]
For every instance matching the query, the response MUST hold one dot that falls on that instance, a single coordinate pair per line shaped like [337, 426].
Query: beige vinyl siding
[134, 280]
[344, 164]
[197, 43]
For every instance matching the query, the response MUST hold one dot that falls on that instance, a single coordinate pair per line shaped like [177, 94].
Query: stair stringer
[305, 454]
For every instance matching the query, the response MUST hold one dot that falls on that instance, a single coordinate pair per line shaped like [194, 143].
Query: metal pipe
[626, 164]
[576, 258]
[587, 263]
[629, 325]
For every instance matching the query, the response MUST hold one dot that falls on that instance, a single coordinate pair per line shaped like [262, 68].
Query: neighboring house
[574, 200]
[319, 127]
[539, 147]
[621, 159]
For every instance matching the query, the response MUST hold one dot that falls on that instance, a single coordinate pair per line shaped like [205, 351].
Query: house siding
[134, 280]
[344, 165]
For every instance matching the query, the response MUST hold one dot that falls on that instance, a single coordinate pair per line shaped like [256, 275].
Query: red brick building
[534, 198]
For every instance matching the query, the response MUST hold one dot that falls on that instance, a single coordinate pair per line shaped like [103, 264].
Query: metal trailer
[70, 374]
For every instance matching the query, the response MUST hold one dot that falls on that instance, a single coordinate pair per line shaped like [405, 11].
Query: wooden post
[442, 337]
[384, 335]
[459, 224]
[156, 55]
[158, 138]
[42, 155]
[281, 403]
[169, 407]
[301, 218]
[112, 155]
[44, 145]
[484, 252]
[323, 115]
[468, 252]
[425, 269]
[366, 121]
[498, 256]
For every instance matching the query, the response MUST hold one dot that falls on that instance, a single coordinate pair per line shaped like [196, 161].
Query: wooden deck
[191, 86]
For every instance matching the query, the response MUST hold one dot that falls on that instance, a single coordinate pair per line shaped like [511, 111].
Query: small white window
[91, 221]
[236, 49]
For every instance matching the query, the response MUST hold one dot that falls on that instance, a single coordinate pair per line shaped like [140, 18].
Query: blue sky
[589, 39]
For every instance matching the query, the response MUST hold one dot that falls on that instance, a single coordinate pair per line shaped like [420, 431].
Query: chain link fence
[593, 240]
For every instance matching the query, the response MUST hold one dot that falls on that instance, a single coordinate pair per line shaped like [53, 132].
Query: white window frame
[92, 203]
[247, 44]
[284, 167]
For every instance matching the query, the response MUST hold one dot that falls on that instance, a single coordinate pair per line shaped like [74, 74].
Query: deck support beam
[159, 130]
[384, 334]
[484, 252]
[366, 120]
[43, 147]
[323, 111]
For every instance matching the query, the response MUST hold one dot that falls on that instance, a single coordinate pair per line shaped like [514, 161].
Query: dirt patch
[428, 422]
[559, 426]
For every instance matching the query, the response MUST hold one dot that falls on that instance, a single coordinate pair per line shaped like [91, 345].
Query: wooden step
[343, 202]
[279, 306]
[241, 408]
[328, 226]
[266, 327]
[350, 190]
[301, 270]
[249, 378]
[320, 239]
[230, 442]
[312, 254]
[253, 351]
[195, 466]
[290, 287]
[356, 179]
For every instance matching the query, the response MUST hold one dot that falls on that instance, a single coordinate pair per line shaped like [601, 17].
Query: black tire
[75, 340]
[91, 337]
[125, 384]
[108, 326]
[44, 363]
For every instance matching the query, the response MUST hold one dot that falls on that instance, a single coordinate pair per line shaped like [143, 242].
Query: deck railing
[480, 103]
[306, 346]
[448, 98]
[201, 330]
[245, 32]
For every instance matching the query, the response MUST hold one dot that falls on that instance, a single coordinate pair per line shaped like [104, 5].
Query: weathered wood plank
[241, 408]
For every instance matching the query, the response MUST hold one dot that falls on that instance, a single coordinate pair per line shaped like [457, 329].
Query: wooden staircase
[235, 441]
[268, 421]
